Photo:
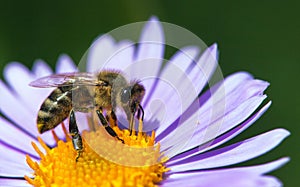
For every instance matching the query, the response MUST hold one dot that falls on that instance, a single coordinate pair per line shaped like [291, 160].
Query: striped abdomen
[55, 109]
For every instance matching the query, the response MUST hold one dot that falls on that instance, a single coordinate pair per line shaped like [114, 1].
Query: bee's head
[125, 94]
[132, 96]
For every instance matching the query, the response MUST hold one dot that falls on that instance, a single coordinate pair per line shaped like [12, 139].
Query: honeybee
[87, 92]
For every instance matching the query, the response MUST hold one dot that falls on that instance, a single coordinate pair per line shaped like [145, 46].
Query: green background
[261, 37]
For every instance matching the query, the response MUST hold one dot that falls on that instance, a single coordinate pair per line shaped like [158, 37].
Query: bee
[88, 92]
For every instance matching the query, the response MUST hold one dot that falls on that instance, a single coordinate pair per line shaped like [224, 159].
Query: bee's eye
[125, 94]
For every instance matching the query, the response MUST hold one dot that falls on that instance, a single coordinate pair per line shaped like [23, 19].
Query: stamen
[40, 153]
[43, 144]
[56, 138]
[104, 160]
[68, 138]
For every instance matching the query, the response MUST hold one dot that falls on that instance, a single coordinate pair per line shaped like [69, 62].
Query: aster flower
[185, 147]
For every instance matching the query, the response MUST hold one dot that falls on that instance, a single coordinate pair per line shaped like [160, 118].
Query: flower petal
[121, 56]
[151, 44]
[223, 100]
[215, 98]
[220, 125]
[174, 91]
[224, 179]
[263, 168]
[222, 139]
[208, 130]
[187, 86]
[11, 106]
[234, 153]
[13, 182]
[183, 58]
[18, 77]
[100, 52]
[13, 163]
[41, 69]
[16, 138]
[30, 96]
[148, 56]
[201, 72]
[258, 169]
[231, 86]
[65, 64]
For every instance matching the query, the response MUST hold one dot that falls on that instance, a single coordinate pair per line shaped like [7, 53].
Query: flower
[189, 129]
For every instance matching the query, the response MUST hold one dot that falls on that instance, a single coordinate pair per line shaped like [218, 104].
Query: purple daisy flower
[190, 129]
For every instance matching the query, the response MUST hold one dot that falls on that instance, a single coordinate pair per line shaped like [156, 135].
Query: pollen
[104, 161]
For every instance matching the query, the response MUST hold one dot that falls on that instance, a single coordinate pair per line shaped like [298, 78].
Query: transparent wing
[68, 79]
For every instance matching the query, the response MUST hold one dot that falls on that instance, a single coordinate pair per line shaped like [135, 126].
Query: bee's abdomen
[55, 109]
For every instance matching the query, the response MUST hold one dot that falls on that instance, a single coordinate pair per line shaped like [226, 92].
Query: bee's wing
[68, 79]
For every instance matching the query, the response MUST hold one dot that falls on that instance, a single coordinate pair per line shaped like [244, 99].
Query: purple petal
[224, 123]
[237, 85]
[173, 87]
[41, 69]
[13, 163]
[225, 179]
[206, 131]
[18, 77]
[161, 106]
[183, 58]
[201, 72]
[151, 44]
[233, 85]
[13, 182]
[235, 153]
[193, 80]
[100, 52]
[226, 98]
[121, 57]
[258, 169]
[11, 106]
[222, 139]
[152, 40]
[16, 138]
[65, 64]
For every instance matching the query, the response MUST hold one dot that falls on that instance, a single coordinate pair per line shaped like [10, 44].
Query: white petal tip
[285, 160]
[212, 51]
[12, 65]
[279, 134]
[153, 18]
[283, 133]
[63, 57]
[268, 104]
[214, 46]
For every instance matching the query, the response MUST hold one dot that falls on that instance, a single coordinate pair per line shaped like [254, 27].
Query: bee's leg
[76, 138]
[107, 127]
[141, 110]
[131, 121]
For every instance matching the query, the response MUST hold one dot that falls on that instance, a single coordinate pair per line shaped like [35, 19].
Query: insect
[88, 92]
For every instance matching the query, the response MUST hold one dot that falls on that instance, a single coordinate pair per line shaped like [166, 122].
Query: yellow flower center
[104, 161]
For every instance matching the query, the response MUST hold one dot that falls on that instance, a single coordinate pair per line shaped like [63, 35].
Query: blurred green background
[261, 37]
